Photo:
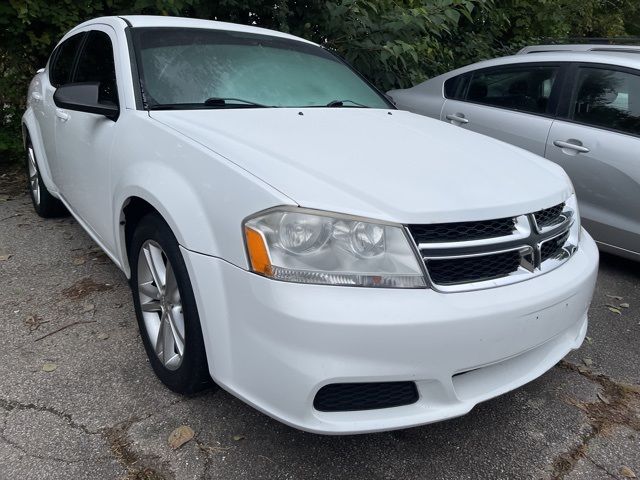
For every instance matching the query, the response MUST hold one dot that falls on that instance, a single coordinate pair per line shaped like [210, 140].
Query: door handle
[62, 115]
[571, 144]
[36, 96]
[457, 117]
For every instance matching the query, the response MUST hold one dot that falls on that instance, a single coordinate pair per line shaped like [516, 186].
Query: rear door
[597, 142]
[84, 140]
[514, 103]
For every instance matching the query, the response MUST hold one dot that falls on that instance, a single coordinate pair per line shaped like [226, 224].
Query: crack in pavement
[600, 467]
[115, 437]
[120, 445]
[206, 467]
[208, 451]
[615, 406]
[10, 405]
[55, 458]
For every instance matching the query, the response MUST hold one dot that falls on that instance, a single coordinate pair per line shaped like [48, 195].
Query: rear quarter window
[63, 59]
[454, 87]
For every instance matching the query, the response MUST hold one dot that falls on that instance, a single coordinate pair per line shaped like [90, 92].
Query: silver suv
[577, 105]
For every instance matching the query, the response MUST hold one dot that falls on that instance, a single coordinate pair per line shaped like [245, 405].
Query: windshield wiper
[341, 103]
[223, 102]
[213, 102]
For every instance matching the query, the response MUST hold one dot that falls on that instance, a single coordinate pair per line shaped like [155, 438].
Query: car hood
[386, 164]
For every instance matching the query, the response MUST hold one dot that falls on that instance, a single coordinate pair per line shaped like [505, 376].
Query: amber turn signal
[258, 253]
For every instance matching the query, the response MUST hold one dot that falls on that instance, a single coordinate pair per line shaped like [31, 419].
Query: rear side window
[609, 99]
[63, 57]
[526, 89]
[96, 64]
[454, 87]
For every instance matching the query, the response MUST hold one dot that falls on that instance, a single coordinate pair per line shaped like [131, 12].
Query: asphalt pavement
[78, 399]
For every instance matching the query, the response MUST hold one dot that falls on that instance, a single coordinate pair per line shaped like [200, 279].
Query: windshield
[200, 68]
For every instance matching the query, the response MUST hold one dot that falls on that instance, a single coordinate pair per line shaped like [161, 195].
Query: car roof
[587, 47]
[622, 59]
[166, 21]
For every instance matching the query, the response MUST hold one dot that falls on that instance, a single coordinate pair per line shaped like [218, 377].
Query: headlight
[308, 246]
[574, 231]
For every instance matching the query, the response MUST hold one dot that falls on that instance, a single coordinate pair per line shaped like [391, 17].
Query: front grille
[549, 216]
[462, 256]
[473, 269]
[552, 248]
[451, 232]
[344, 397]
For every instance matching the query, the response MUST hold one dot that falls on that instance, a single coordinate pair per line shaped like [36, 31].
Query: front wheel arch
[133, 210]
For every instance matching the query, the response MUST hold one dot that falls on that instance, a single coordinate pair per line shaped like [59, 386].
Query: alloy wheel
[161, 304]
[34, 176]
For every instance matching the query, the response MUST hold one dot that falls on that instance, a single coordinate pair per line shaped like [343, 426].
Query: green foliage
[505, 26]
[394, 43]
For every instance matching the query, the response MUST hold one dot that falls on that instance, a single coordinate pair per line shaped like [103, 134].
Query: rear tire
[166, 308]
[45, 204]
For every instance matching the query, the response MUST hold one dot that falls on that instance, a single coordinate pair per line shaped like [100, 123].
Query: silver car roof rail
[580, 48]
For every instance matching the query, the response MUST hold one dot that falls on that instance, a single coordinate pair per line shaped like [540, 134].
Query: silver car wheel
[161, 304]
[34, 177]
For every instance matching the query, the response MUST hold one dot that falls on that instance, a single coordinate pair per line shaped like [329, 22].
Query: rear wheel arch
[25, 135]
[44, 203]
[31, 134]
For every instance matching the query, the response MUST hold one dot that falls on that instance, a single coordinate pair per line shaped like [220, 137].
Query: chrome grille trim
[527, 238]
[522, 229]
[547, 228]
[562, 254]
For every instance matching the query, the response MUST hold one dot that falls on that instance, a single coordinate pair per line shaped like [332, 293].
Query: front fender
[182, 212]
[202, 196]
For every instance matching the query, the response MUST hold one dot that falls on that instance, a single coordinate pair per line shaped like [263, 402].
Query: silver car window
[525, 89]
[608, 98]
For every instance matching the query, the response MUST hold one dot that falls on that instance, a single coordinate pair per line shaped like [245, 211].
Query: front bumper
[275, 344]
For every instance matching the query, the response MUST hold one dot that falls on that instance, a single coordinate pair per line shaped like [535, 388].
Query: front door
[84, 140]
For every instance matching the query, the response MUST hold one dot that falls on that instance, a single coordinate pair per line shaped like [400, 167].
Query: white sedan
[341, 265]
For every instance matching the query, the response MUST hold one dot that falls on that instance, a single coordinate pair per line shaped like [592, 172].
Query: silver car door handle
[36, 96]
[456, 118]
[571, 146]
[62, 115]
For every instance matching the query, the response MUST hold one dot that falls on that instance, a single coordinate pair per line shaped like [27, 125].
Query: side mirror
[85, 97]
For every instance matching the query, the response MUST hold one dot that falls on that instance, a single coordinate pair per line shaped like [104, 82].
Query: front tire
[45, 204]
[166, 308]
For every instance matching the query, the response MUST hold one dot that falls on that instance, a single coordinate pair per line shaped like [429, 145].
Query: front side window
[526, 89]
[96, 64]
[198, 68]
[609, 99]
[62, 61]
